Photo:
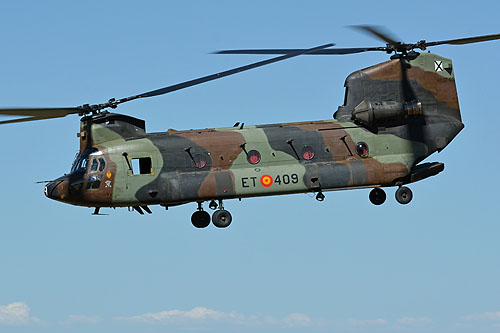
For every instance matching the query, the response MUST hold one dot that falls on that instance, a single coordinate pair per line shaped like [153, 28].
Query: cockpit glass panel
[102, 164]
[83, 163]
[75, 163]
[94, 182]
[94, 166]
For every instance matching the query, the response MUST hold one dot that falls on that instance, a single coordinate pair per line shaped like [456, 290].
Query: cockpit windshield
[81, 162]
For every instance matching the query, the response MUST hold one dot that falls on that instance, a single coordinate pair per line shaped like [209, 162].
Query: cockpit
[95, 171]
[88, 170]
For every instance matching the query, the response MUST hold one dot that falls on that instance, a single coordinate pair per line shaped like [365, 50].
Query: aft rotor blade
[340, 51]
[32, 114]
[377, 32]
[461, 41]
[207, 78]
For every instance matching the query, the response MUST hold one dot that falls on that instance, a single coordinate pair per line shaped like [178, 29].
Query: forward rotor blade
[37, 113]
[339, 51]
[207, 78]
[49, 113]
[377, 32]
[462, 41]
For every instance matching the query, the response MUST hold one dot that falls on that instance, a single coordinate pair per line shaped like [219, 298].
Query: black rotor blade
[462, 41]
[349, 50]
[377, 32]
[207, 78]
[32, 114]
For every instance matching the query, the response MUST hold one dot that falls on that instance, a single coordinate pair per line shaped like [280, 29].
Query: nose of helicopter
[57, 189]
[50, 190]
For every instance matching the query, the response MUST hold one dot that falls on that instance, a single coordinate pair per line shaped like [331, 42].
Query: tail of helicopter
[413, 97]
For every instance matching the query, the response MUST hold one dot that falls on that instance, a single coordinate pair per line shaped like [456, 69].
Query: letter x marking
[438, 66]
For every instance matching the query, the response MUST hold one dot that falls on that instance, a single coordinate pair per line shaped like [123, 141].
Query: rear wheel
[377, 196]
[404, 195]
[221, 218]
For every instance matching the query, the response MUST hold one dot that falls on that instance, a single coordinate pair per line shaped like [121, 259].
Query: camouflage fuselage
[122, 165]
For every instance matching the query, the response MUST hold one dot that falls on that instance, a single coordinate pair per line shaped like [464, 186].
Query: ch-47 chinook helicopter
[395, 114]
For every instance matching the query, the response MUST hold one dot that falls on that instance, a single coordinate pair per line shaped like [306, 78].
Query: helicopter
[394, 115]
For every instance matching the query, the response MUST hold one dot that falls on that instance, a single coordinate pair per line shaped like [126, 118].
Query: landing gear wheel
[377, 196]
[404, 195]
[200, 219]
[221, 218]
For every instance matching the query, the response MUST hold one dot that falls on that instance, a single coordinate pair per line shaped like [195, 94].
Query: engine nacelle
[372, 113]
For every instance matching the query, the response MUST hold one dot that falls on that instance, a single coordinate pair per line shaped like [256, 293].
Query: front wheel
[404, 195]
[200, 219]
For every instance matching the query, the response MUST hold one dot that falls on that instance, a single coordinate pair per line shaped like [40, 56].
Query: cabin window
[199, 161]
[141, 166]
[362, 149]
[307, 153]
[253, 157]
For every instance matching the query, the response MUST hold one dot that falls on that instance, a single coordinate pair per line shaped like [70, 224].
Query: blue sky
[285, 263]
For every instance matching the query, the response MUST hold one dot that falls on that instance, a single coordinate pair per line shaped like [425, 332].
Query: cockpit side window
[102, 164]
[94, 166]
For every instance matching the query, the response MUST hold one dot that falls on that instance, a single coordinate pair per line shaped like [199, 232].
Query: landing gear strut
[221, 217]
[404, 195]
[212, 205]
[200, 218]
[320, 196]
[377, 196]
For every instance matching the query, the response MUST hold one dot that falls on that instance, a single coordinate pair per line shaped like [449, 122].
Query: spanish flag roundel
[266, 180]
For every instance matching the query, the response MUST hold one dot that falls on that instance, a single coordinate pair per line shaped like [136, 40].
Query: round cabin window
[362, 149]
[307, 153]
[253, 157]
[199, 161]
